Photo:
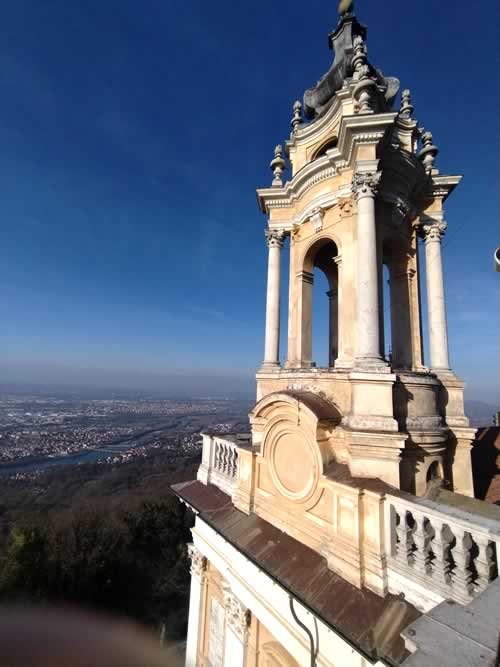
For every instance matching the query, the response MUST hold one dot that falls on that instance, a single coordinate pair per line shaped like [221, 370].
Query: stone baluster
[404, 547]
[438, 329]
[441, 545]
[368, 357]
[422, 540]
[272, 340]
[232, 467]
[485, 562]
[462, 574]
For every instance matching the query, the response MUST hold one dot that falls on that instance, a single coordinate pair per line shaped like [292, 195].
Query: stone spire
[342, 42]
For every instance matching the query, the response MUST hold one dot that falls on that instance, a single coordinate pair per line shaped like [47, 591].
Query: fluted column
[368, 357]
[198, 577]
[275, 243]
[436, 307]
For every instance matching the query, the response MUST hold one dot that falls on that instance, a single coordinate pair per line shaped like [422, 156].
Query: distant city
[39, 431]
[42, 429]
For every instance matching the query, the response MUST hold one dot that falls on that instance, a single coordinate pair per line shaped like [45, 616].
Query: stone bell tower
[363, 191]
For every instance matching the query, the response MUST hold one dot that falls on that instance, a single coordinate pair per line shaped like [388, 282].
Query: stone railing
[219, 464]
[437, 551]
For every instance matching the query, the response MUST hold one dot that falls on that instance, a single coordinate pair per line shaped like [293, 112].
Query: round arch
[322, 254]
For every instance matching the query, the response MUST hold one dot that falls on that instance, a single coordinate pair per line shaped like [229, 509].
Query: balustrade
[220, 461]
[226, 458]
[441, 549]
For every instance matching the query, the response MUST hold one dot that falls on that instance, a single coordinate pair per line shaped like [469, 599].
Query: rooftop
[370, 623]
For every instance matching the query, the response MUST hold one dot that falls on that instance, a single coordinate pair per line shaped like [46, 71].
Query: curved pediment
[293, 428]
[316, 406]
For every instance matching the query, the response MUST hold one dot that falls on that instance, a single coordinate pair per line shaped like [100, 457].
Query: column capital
[275, 238]
[198, 561]
[433, 231]
[237, 615]
[365, 183]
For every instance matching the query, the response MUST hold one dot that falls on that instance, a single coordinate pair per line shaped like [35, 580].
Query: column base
[343, 364]
[371, 365]
[270, 366]
[300, 364]
[371, 402]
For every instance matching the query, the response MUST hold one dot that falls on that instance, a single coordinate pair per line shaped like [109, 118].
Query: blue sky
[132, 138]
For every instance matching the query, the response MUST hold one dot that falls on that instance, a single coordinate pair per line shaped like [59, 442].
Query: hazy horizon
[200, 384]
[132, 145]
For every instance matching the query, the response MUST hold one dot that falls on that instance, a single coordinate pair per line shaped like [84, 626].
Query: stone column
[237, 630]
[401, 331]
[275, 243]
[304, 281]
[368, 357]
[198, 579]
[333, 339]
[438, 330]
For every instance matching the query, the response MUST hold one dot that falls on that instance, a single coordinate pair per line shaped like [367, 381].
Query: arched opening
[331, 143]
[434, 472]
[397, 306]
[322, 303]
[321, 320]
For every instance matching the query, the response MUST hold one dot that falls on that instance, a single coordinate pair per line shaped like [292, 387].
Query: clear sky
[132, 138]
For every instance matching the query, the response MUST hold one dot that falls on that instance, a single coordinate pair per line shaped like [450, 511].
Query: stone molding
[274, 238]
[237, 615]
[354, 131]
[305, 277]
[198, 562]
[365, 183]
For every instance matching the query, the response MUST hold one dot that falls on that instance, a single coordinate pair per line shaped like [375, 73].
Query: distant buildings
[343, 530]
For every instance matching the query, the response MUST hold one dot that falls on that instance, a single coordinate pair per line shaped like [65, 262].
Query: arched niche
[274, 655]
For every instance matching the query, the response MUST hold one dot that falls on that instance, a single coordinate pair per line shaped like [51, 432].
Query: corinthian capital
[275, 238]
[433, 231]
[198, 561]
[365, 183]
[237, 616]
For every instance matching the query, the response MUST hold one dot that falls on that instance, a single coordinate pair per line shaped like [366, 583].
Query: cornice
[354, 131]
[321, 204]
[443, 186]
[320, 125]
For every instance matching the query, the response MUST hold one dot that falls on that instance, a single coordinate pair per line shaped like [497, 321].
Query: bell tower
[363, 192]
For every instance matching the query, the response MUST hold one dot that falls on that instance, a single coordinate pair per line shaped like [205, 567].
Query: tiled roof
[368, 622]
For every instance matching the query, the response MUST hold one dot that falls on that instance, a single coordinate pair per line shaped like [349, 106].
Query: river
[85, 456]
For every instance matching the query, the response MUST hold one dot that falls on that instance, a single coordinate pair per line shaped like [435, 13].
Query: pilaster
[196, 601]
[237, 629]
